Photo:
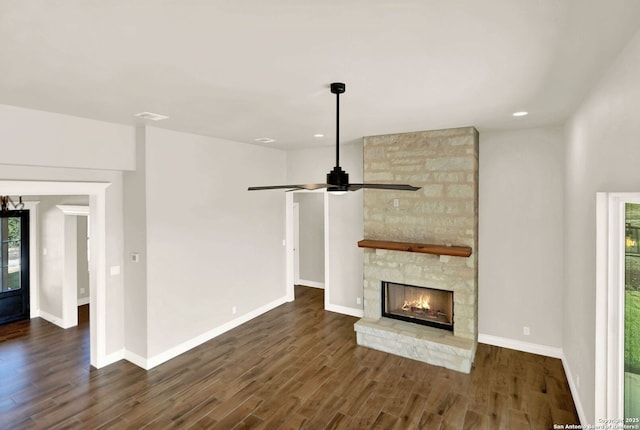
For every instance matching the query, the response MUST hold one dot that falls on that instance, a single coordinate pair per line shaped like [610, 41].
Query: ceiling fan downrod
[337, 179]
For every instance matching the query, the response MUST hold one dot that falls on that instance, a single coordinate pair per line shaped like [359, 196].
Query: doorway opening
[75, 270]
[618, 306]
[343, 260]
[97, 208]
[292, 240]
[309, 245]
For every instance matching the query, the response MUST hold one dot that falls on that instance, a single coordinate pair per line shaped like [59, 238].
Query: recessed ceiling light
[318, 135]
[265, 140]
[521, 113]
[151, 116]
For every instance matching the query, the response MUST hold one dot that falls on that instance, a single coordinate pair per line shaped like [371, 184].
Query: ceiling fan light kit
[338, 179]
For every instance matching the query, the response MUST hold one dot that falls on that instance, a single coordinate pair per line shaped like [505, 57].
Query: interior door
[14, 266]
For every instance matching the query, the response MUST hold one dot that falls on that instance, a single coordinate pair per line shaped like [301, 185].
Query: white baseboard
[198, 340]
[354, 312]
[574, 390]
[136, 359]
[51, 318]
[519, 345]
[314, 284]
[112, 358]
[83, 301]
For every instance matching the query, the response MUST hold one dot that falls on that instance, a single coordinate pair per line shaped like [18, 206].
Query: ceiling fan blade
[401, 187]
[309, 187]
[291, 187]
[313, 186]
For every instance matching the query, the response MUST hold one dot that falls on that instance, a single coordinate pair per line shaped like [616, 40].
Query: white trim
[34, 259]
[289, 263]
[198, 340]
[601, 317]
[354, 312]
[74, 210]
[518, 345]
[296, 243]
[70, 271]
[98, 283]
[83, 301]
[135, 359]
[327, 256]
[51, 188]
[113, 357]
[314, 284]
[574, 390]
[97, 198]
[51, 318]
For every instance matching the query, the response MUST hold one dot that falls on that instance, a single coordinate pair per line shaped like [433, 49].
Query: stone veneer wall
[445, 211]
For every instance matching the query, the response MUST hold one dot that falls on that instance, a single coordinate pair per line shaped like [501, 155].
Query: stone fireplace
[432, 223]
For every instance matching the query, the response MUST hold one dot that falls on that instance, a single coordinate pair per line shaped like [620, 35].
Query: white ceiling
[246, 69]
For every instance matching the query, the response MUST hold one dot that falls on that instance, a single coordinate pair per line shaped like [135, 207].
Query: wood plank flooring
[297, 366]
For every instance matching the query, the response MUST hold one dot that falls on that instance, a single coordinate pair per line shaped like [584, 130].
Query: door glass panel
[632, 312]
[10, 254]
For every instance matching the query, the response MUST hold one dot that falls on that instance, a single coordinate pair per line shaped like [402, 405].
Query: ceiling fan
[338, 179]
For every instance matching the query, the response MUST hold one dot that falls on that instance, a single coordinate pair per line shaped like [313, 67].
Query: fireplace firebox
[420, 305]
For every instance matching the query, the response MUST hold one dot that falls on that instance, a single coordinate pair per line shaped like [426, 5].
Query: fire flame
[421, 302]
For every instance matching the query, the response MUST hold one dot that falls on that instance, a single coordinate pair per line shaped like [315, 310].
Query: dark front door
[14, 266]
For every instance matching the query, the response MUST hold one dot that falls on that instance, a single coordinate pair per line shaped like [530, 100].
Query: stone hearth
[445, 212]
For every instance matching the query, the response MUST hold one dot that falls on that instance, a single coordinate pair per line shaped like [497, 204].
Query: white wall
[311, 236]
[211, 244]
[602, 154]
[346, 260]
[312, 165]
[50, 139]
[135, 242]
[345, 220]
[520, 274]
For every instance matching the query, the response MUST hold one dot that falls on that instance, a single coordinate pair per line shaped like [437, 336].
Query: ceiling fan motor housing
[338, 87]
[338, 179]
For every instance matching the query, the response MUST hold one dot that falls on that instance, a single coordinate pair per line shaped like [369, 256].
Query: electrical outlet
[358, 301]
[577, 381]
[81, 290]
[233, 310]
[396, 203]
[526, 331]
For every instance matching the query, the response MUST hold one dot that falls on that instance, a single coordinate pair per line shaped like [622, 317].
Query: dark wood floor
[294, 367]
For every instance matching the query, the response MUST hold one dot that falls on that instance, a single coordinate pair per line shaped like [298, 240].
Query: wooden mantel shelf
[425, 248]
